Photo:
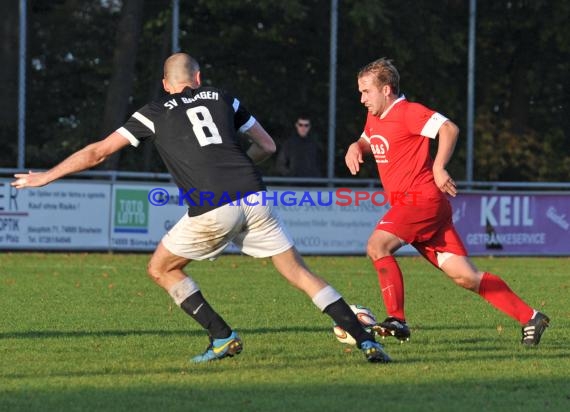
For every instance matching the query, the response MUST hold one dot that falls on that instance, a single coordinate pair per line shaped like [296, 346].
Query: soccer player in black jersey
[195, 130]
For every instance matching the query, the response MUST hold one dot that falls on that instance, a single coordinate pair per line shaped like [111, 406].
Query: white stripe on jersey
[129, 136]
[432, 125]
[398, 100]
[365, 137]
[247, 125]
[235, 104]
[144, 120]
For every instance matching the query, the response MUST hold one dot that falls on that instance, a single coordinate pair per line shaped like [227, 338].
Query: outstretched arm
[262, 145]
[448, 133]
[85, 158]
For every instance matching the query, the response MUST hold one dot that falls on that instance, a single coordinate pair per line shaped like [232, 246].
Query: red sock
[495, 291]
[392, 286]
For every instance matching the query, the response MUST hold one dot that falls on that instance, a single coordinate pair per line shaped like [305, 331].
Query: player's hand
[353, 158]
[29, 180]
[445, 183]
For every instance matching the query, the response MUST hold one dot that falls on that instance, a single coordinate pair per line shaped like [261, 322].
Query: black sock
[196, 306]
[344, 317]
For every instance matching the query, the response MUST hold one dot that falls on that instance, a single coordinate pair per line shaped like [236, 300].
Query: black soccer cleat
[393, 327]
[534, 328]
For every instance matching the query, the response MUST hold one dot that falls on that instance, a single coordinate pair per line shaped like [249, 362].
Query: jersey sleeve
[423, 121]
[139, 126]
[243, 120]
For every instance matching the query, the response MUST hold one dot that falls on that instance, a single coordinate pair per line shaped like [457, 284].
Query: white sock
[181, 290]
[325, 297]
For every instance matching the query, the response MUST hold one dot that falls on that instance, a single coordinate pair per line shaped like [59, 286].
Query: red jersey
[399, 144]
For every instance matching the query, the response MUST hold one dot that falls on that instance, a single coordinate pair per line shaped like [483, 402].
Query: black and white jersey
[196, 134]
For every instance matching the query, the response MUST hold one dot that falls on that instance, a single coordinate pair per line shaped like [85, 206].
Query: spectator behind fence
[301, 154]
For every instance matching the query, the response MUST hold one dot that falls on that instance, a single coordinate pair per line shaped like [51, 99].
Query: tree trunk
[9, 83]
[121, 83]
[150, 155]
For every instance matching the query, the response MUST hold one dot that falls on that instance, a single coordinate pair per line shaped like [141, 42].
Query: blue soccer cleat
[374, 352]
[220, 348]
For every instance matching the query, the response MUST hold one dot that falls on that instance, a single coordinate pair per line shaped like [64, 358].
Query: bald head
[180, 71]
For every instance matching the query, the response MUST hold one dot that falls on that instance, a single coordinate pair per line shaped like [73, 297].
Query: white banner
[319, 225]
[318, 221]
[142, 214]
[327, 221]
[134, 217]
[61, 216]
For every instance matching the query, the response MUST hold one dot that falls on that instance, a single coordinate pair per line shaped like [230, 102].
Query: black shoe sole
[384, 332]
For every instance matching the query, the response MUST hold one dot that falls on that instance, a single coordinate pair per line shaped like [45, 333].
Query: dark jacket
[300, 157]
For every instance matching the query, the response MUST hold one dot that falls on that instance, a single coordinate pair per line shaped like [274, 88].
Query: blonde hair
[384, 72]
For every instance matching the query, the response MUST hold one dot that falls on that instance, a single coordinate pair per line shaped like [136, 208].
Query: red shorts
[425, 222]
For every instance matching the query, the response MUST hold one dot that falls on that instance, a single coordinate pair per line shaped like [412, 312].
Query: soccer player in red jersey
[398, 133]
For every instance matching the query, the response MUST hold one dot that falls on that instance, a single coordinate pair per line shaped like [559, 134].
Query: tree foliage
[274, 56]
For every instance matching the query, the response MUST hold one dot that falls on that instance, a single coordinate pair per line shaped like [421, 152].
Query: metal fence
[114, 176]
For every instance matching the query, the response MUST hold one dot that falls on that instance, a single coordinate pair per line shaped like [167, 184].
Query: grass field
[91, 332]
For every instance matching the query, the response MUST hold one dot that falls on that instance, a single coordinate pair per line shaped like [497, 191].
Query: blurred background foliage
[92, 63]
